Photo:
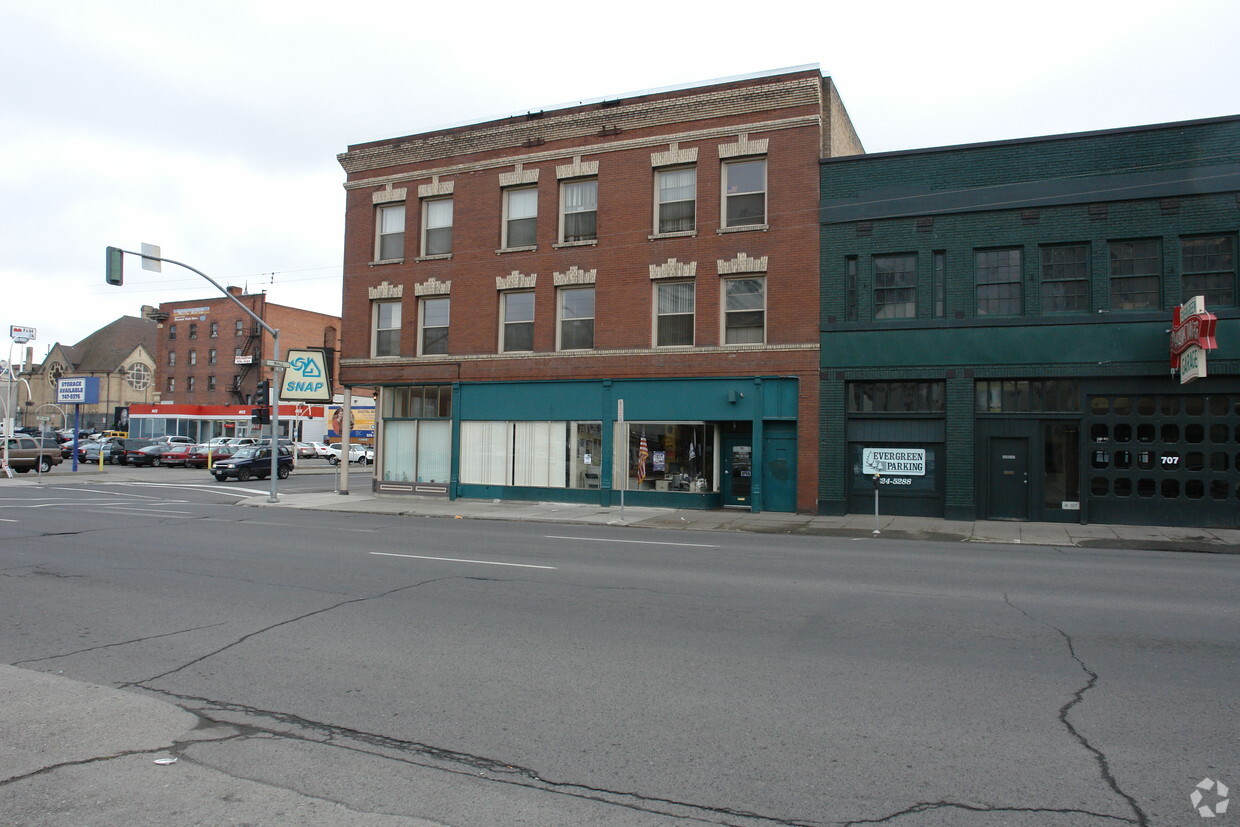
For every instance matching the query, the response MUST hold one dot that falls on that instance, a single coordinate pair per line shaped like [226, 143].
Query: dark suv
[253, 461]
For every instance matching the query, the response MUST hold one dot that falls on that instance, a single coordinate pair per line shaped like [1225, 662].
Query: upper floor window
[1209, 269]
[437, 227]
[215, 330]
[172, 331]
[172, 358]
[744, 311]
[190, 383]
[390, 232]
[1065, 279]
[850, 289]
[193, 330]
[744, 188]
[579, 210]
[172, 384]
[676, 200]
[239, 327]
[1000, 291]
[138, 376]
[210, 383]
[517, 321]
[897, 397]
[433, 333]
[520, 217]
[674, 308]
[386, 326]
[1136, 270]
[211, 355]
[576, 318]
[193, 357]
[939, 287]
[895, 287]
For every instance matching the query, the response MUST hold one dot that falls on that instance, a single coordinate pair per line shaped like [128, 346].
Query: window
[387, 329]
[517, 310]
[138, 376]
[433, 338]
[172, 384]
[193, 330]
[999, 288]
[211, 356]
[1209, 269]
[215, 330]
[189, 384]
[674, 304]
[390, 238]
[678, 456]
[172, 331]
[417, 436]
[744, 311]
[545, 454]
[676, 200]
[520, 217]
[236, 355]
[239, 328]
[1027, 396]
[576, 318]
[744, 190]
[579, 210]
[850, 289]
[895, 287]
[437, 227]
[1065, 279]
[897, 397]
[172, 358]
[193, 357]
[211, 383]
[940, 284]
[1135, 271]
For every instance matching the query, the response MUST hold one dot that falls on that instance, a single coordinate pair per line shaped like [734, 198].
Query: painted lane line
[4, 520]
[134, 514]
[639, 542]
[454, 560]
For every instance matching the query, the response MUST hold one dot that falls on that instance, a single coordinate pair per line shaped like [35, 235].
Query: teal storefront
[675, 443]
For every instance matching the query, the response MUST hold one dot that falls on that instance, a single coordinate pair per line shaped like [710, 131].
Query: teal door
[737, 470]
[779, 467]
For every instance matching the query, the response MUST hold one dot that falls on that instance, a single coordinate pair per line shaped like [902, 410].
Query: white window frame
[387, 216]
[565, 211]
[509, 193]
[561, 295]
[193, 357]
[726, 310]
[692, 314]
[504, 322]
[434, 205]
[728, 166]
[422, 326]
[376, 312]
[659, 202]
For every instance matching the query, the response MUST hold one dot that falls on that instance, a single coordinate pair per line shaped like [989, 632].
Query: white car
[357, 453]
[321, 450]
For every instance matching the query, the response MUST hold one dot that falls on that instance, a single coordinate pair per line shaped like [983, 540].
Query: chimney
[235, 291]
[29, 360]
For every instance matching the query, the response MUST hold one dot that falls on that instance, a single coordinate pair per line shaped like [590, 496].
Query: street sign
[44, 418]
[276, 363]
[305, 377]
[150, 258]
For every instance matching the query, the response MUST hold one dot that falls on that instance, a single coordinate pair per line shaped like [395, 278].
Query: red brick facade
[788, 120]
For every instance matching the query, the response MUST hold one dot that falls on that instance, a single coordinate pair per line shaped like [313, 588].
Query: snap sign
[306, 378]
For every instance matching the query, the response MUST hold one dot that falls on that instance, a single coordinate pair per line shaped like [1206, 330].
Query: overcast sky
[212, 128]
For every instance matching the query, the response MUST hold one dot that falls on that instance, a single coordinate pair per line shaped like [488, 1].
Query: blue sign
[78, 390]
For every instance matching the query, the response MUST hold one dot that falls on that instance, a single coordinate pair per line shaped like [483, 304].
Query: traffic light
[260, 416]
[116, 266]
[263, 393]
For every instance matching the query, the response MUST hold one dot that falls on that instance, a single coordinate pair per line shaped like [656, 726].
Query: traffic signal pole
[115, 275]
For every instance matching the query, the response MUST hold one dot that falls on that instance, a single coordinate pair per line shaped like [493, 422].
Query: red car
[197, 454]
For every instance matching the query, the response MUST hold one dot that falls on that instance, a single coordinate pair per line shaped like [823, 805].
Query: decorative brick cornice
[433, 287]
[518, 176]
[516, 280]
[743, 263]
[574, 275]
[385, 196]
[386, 290]
[674, 156]
[673, 269]
[577, 169]
[744, 146]
[436, 188]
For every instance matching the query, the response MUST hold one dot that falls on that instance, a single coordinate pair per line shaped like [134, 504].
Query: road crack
[118, 643]
[1100, 758]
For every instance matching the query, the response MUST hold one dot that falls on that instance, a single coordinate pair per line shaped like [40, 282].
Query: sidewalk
[361, 500]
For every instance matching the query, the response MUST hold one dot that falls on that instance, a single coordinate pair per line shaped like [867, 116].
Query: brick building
[996, 317]
[208, 360]
[508, 284]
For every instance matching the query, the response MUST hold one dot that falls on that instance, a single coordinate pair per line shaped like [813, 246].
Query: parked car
[152, 455]
[239, 441]
[198, 454]
[305, 450]
[357, 453]
[123, 449]
[320, 450]
[174, 439]
[253, 461]
[178, 454]
[26, 452]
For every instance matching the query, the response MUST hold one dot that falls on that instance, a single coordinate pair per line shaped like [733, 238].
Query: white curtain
[400, 441]
[485, 453]
[539, 456]
[434, 450]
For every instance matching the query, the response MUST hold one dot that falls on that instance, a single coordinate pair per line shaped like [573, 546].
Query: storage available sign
[905, 462]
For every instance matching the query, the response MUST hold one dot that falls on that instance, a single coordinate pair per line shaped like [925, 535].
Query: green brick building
[996, 328]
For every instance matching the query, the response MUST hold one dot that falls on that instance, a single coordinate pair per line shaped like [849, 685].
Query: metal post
[622, 445]
[346, 426]
[877, 530]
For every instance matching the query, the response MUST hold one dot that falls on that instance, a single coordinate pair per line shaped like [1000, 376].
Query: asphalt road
[478, 673]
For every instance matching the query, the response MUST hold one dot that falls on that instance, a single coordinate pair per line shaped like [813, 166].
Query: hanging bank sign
[1192, 334]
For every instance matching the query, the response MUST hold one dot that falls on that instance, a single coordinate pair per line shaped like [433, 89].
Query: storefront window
[535, 454]
[668, 456]
[417, 434]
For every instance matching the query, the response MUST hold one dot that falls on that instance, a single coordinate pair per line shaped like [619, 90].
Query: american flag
[643, 453]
